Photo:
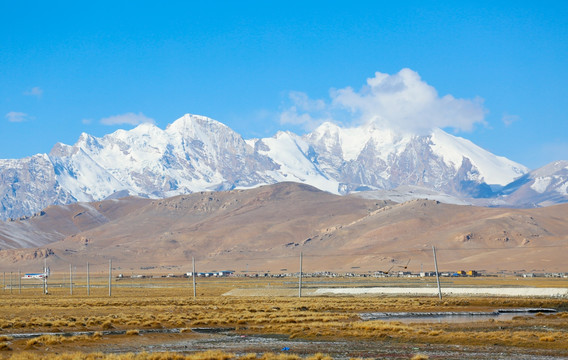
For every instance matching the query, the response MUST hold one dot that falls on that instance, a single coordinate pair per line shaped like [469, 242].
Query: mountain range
[196, 153]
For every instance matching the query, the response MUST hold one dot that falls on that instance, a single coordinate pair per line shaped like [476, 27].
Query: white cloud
[14, 116]
[305, 112]
[303, 101]
[291, 116]
[35, 91]
[509, 119]
[402, 101]
[128, 118]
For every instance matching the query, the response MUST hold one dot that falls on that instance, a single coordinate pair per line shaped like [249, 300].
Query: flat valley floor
[252, 318]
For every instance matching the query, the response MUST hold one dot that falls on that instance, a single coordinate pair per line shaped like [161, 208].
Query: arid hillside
[56, 222]
[266, 228]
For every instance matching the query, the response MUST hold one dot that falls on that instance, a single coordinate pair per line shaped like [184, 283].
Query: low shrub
[420, 357]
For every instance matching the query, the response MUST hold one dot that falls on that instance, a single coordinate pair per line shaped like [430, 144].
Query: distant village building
[211, 274]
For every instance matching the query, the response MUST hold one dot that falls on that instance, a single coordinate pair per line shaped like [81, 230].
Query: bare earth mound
[266, 228]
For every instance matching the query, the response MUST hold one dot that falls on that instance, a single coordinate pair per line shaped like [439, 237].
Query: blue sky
[71, 67]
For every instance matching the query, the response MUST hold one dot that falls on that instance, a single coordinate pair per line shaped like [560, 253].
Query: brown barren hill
[266, 229]
[58, 221]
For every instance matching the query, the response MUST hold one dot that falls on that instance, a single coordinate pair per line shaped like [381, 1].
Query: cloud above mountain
[305, 112]
[402, 101]
[128, 118]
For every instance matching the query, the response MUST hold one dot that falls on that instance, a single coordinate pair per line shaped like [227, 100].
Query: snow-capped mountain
[192, 154]
[369, 156]
[547, 185]
[196, 153]
[29, 185]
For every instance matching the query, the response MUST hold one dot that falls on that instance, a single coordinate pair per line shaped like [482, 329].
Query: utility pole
[193, 275]
[70, 279]
[300, 277]
[20, 281]
[109, 277]
[45, 276]
[437, 273]
[88, 281]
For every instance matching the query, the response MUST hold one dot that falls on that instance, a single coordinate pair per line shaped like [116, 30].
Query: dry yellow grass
[420, 357]
[132, 310]
[45, 340]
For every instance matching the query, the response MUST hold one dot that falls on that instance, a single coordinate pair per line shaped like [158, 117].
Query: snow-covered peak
[327, 129]
[348, 142]
[550, 178]
[195, 125]
[291, 153]
[493, 169]
[285, 135]
[62, 150]
[327, 138]
[551, 169]
[87, 141]
[146, 129]
[541, 187]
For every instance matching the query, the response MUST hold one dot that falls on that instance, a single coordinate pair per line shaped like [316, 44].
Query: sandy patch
[408, 291]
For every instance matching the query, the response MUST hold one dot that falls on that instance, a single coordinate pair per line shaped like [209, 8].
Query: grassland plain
[101, 327]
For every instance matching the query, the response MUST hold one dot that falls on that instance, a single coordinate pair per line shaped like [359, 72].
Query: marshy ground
[153, 322]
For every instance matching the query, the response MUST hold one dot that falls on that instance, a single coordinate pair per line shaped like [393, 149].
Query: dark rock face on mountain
[29, 185]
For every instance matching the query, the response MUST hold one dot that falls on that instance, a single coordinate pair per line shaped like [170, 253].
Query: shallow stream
[228, 340]
[453, 317]
[340, 349]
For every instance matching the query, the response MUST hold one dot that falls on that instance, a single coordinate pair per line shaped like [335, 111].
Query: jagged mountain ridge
[196, 153]
[368, 157]
[545, 186]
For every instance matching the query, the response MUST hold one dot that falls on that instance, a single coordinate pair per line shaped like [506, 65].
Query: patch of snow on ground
[563, 189]
[406, 193]
[540, 184]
